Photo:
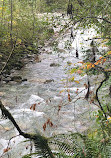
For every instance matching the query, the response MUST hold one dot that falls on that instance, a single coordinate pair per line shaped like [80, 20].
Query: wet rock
[13, 82]
[43, 49]
[31, 61]
[6, 72]
[12, 71]
[3, 63]
[29, 56]
[48, 52]
[62, 50]
[48, 81]
[54, 64]
[16, 78]
[39, 80]
[7, 79]
[3, 82]
[23, 80]
[19, 65]
[40, 46]
[2, 94]
[37, 59]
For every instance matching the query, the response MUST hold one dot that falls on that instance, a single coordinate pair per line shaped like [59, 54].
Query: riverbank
[24, 53]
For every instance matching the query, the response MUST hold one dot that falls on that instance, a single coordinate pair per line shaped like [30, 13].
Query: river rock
[16, 78]
[37, 59]
[48, 81]
[62, 50]
[23, 80]
[7, 79]
[12, 71]
[29, 56]
[2, 94]
[54, 64]
[35, 99]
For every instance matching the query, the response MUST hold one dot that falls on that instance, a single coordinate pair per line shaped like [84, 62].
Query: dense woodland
[25, 27]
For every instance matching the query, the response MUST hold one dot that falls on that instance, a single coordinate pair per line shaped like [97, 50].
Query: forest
[55, 79]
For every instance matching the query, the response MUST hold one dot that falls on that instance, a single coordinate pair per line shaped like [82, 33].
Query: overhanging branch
[97, 90]
[93, 17]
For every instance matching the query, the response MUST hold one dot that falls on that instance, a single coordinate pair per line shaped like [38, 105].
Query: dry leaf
[6, 150]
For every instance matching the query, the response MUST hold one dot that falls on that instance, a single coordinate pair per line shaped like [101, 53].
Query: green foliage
[108, 43]
[81, 146]
[27, 33]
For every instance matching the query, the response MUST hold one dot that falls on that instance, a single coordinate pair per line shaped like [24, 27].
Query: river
[44, 96]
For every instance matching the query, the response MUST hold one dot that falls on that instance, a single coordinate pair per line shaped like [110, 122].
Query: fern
[42, 147]
[76, 145]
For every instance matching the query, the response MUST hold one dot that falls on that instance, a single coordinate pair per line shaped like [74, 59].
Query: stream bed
[44, 97]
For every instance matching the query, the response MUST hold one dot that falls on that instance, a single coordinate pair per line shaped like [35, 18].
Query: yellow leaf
[109, 53]
[109, 118]
[7, 129]
[93, 65]
[97, 62]
[71, 79]
[81, 62]
[103, 61]
[77, 82]
[73, 70]
[14, 22]
[19, 41]
[61, 91]
[89, 66]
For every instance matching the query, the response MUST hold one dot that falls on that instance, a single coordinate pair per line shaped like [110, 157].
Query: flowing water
[46, 89]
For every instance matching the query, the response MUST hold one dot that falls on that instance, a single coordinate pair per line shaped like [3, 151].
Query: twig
[106, 78]
[97, 38]
[91, 17]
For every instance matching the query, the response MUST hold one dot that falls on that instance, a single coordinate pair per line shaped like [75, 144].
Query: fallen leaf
[69, 98]
[6, 150]
[77, 82]
[44, 126]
